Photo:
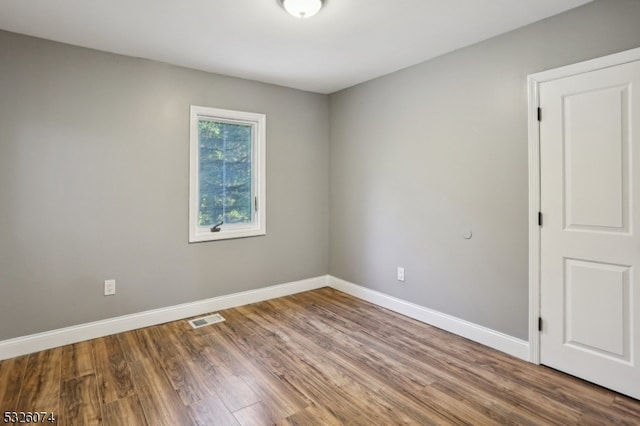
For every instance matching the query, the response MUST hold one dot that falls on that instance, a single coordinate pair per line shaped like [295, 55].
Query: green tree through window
[224, 173]
[227, 178]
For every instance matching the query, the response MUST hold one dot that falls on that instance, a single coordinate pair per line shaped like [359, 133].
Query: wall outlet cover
[109, 287]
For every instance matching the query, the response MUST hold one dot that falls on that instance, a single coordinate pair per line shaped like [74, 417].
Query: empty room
[319, 212]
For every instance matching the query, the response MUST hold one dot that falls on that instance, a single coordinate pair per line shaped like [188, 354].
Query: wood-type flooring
[315, 358]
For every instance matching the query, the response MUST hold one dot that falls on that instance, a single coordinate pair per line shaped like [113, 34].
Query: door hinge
[255, 203]
[539, 323]
[539, 218]
[539, 114]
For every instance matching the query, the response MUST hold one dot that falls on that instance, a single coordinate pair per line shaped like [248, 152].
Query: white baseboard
[51, 339]
[486, 336]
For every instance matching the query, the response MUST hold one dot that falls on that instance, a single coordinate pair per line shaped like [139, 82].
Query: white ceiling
[348, 42]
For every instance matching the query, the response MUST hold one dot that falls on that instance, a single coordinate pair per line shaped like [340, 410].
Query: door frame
[533, 83]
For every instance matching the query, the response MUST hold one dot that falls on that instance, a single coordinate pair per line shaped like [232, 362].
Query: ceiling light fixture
[302, 8]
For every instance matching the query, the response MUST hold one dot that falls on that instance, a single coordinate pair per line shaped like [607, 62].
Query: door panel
[590, 247]
[596, 306]
[594, 134]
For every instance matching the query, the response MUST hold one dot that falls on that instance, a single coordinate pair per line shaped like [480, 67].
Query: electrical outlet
[400, 275]
[109, 287]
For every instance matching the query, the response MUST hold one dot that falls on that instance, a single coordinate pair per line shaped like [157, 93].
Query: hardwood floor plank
[214, 368]
[328, 380]
[256, 415]
[525, 402]
[12, 372]
[159, 400]
[629, 407]
[410, 372]
[274, 392]
[80, 402]
[77, 360]
[442, 370]
[319, 389]
[233, 390]
[291, 334]
[124, 412]
[213, 372]
[447, 366]
[313, 415]
[183, 375]
[112, 370]
[40, 390]
[349, 373]
[457, 409]
[212, 412]
[487, 402]
[319, 357]
[135, 345]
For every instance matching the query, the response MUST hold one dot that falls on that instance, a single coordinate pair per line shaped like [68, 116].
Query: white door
[590, 235]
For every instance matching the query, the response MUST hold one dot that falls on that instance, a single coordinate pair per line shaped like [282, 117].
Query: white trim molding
[483, 335]
[533, 82]
[65, 336]
[257, 225]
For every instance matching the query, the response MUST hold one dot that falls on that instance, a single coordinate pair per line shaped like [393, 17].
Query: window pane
[224, 173]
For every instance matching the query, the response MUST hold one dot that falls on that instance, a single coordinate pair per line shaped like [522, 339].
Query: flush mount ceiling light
[302, 8]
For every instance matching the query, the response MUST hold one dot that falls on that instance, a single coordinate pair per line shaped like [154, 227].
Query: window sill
[204, 236]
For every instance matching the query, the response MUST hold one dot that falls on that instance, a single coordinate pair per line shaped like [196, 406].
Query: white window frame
[258, 225]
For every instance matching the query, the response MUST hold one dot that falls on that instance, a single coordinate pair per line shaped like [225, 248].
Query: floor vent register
[204, 321]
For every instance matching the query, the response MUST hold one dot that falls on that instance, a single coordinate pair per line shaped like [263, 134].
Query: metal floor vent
[208, 320]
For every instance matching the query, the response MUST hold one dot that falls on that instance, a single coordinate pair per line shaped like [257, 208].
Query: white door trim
[533, 83]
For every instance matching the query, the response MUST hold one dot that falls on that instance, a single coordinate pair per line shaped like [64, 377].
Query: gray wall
[94, 178]
[94, 185]
[422, 154]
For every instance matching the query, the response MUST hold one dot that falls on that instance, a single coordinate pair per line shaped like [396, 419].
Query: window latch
[216, 227]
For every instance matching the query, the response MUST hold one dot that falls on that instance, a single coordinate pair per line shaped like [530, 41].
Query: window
[227, 174]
